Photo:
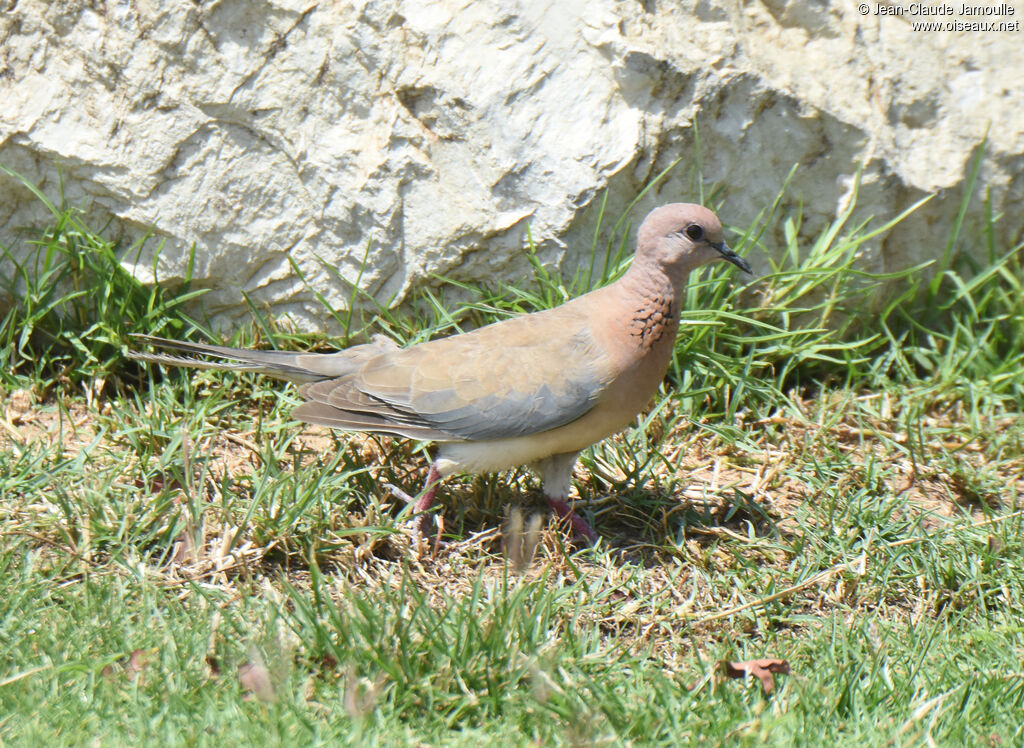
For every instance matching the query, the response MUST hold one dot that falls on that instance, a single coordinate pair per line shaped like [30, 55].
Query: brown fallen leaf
[132, 667]
[255, 679]
[136, 664]
[157, 484]
[19, 407]
[213, 663]
[328, 663]
[761, 669]
[520, 539]
[359, 698]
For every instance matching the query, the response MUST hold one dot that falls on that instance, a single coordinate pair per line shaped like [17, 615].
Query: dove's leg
[426, 498]
[556, 475]
[422, 521]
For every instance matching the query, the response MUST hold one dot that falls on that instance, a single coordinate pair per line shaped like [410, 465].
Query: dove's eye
[695, 231]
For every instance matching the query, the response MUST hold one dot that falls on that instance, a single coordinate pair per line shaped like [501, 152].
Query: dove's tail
[293, 367]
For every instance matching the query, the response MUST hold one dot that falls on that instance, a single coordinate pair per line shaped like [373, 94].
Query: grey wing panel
[516, 414]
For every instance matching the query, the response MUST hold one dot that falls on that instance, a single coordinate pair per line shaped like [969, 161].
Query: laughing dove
[532, 390]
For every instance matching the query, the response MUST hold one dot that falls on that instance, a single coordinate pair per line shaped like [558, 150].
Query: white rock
[433, 134]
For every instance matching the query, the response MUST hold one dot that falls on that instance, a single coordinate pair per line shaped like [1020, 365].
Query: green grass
[824, 479]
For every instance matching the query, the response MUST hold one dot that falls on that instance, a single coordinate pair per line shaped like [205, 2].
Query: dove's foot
[579, 525]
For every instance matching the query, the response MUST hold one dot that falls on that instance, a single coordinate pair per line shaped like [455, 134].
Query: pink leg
[579, 525]
[426, 499]
[421, 505]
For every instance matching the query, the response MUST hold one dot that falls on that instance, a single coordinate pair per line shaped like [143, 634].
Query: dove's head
[680, 237]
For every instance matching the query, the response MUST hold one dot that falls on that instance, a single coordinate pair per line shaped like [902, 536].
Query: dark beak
[735, 259]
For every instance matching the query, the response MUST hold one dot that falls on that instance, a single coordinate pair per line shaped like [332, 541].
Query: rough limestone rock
[389, 141]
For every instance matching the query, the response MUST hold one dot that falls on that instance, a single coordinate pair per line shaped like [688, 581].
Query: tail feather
[166, 359]
[293, 367]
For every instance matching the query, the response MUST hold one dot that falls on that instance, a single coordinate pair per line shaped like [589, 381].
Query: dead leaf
[136, 663]
[213, 663]
[131, 667]
[184, 548]
[520, 539]
[255, 678]
[761, 669]
[359, 698]
[328, 662]
[19, 405]
[157, 484]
